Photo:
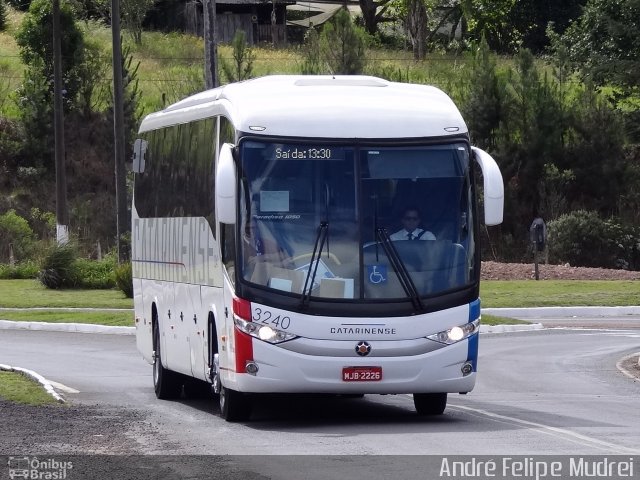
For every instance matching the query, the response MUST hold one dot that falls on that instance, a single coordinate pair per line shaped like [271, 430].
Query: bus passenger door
[167, 317]
[181, 320]
[143, 317]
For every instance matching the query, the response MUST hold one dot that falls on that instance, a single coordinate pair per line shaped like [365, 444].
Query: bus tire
[430, 403]
[234, 406]
[166, 383]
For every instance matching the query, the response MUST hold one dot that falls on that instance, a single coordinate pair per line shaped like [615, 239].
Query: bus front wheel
[234, 406]
[166, 383]
[430, 403]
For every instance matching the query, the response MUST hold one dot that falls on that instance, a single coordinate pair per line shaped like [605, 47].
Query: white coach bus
[269, 250]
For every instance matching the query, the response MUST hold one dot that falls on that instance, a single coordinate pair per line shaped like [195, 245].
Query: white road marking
[63, 388]
[549, 430]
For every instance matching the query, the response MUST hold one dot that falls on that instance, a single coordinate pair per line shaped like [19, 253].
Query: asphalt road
[539, 392]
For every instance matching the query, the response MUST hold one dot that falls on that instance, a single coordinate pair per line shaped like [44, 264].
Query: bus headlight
[263, 332]
[455, 334]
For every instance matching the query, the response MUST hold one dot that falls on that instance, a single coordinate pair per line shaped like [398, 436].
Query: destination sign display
[301, 152]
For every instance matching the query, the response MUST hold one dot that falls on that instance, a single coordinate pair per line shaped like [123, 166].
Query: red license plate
[361, 374]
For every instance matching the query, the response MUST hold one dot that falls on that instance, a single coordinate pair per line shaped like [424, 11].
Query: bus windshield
[346, 222]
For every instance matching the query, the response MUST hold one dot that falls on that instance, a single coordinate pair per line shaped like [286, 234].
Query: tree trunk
[417, 27]
[369, 8]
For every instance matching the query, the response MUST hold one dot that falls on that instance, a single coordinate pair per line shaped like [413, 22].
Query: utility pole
[62, 216]
[210, 44]
[118, 133]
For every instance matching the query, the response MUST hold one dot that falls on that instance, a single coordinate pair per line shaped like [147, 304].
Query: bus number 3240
[266, 317]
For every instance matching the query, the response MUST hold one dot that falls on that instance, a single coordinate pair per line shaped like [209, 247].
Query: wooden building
[263, 21]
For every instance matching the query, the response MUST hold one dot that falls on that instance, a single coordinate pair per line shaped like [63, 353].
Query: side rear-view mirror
[226, 185]
[493, 187]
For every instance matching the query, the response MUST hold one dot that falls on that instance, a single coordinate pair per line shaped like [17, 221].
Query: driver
[410, 229]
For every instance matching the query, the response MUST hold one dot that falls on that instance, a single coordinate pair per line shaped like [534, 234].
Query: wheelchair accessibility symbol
[377, 274]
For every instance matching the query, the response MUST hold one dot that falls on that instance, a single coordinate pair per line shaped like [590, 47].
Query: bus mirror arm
[493, 187]
[226, 185]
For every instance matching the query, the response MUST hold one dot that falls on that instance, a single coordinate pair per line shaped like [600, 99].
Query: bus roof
[321, 107]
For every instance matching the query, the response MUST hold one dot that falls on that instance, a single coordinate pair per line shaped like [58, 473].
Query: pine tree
[343, 45]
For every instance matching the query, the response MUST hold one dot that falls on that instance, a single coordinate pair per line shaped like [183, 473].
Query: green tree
[484, 103]
[133, 13]
[416, 22]
[595, 152]
[243, 58]
[312, 63]
[36, 48]
[605, 42]
[36, 115]
[604, 47]
[343, 45]
[489, 19]
[95, 86]
[131, 97]
[35, 95]
[373, 13]
[530, 136]
[530, 19]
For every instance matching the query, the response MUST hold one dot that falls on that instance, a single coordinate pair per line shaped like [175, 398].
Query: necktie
[410, 236]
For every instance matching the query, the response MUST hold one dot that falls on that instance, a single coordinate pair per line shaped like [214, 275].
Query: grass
[17, 388]
[559, 293]
[15, 294]
[493, 320]
[119, 319]
[30, 293]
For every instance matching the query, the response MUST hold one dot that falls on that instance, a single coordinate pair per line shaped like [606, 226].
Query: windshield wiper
[401, 269]
[321, 237]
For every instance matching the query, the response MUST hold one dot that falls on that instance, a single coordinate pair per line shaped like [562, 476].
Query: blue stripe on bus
[472, 354]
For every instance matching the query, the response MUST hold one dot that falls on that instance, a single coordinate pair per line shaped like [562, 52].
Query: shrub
[15, 231]
[20, 271]
[124, 279]
[96, 274]
[58, 269]
[61, 268]
[583, 239]
[624, 244]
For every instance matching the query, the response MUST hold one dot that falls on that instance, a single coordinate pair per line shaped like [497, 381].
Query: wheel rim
[216, 375]
[156, 374]
[156, 359]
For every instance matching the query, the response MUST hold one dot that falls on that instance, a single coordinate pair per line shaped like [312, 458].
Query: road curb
[37, 377]
[66, 327]
[562, 312]
[524, 327]
[623, 370]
